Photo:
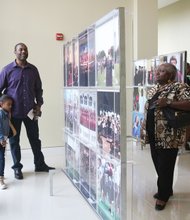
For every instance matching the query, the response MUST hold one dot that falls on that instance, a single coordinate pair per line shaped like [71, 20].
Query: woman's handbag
[176, 118]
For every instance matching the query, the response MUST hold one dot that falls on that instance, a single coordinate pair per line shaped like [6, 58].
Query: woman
[164, 141]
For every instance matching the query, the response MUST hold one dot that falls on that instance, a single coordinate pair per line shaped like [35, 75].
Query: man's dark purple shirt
[23, 85]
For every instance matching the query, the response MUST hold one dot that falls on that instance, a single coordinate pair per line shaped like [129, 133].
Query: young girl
[6, 105]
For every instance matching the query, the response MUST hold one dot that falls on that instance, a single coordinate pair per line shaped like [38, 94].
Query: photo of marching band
[88, 117]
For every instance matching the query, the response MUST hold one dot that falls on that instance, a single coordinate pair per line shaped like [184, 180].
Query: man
[22, 82]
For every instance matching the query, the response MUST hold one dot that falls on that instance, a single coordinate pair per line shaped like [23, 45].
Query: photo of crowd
[69, 64]
[84, 169]
[91, 57]
[69, 154]
[88, 173]
[108, 172]
[71, 108]
[81, 167]
[93, 175]
[135, 99]
[151, 68]
[109, 123]
[72, 158]
[177, 59]
[140, 69]
[76, 160]
[139, 99]
[75, 62]
[83, 59]
[137, 121]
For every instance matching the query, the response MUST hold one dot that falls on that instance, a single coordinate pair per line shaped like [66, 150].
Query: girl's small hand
[3, 143]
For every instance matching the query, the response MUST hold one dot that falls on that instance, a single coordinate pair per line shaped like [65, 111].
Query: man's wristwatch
[168, 102]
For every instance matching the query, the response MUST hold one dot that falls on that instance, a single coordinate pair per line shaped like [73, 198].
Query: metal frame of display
[123, 115]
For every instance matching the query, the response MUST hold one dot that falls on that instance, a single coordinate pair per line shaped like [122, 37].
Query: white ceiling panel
[164, 3]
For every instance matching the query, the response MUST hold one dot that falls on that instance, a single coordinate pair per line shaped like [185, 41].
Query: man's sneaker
[2, 183]
[18, 174]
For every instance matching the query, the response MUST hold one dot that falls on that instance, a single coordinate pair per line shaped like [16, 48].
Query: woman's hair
[173, 58]
[5, 98]
[171, 69]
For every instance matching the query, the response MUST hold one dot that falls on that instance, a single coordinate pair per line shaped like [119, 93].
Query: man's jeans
[32, 131]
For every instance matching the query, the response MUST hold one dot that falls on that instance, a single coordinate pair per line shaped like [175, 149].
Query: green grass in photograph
[116, 75]
[101, 78]
[103, 210]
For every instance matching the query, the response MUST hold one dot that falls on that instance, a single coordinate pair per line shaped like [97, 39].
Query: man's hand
[37, 111]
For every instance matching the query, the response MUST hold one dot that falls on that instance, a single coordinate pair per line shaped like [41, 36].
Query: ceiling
[164, 3]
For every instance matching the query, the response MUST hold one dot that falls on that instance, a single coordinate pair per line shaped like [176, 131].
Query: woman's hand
[142, 131]
[161, 103]
[180, 105]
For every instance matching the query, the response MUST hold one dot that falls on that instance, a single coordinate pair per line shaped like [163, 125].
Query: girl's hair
[5, 98]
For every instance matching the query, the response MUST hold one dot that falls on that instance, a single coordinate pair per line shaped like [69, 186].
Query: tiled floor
[144, 186]
[29, 199]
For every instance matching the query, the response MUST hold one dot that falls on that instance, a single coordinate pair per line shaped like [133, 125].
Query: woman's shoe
[2, 183]
[160, 205]
[156, 196]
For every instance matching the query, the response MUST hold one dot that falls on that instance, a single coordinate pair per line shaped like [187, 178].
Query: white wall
[35, 23]
[145, 29]
[173, 28]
